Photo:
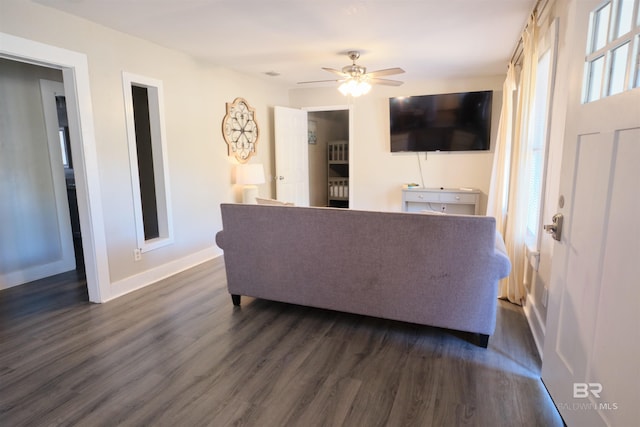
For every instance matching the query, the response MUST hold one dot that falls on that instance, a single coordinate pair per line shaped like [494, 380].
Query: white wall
[376, 174]
[195, 97]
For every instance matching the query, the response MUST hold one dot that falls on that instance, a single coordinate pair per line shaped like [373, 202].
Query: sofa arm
[220, 239]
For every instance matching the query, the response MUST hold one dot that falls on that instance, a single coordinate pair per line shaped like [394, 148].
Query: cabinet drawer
[450, 201]
[421, 196]
[458, 198]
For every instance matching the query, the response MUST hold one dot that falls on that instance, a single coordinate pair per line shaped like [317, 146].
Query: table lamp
[249, 175]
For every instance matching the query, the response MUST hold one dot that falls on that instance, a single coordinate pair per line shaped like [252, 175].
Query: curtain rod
[537, 10]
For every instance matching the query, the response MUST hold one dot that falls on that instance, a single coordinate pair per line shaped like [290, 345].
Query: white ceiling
[295, 38]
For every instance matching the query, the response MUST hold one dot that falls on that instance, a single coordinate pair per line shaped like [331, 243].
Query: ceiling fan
[355, 79]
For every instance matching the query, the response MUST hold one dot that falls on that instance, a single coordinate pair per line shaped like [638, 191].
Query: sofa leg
[235, 299]
[483, 340]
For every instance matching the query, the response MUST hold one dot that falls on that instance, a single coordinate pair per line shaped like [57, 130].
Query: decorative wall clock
[240, 130]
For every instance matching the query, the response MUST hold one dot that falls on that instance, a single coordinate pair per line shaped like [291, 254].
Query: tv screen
[445, 122]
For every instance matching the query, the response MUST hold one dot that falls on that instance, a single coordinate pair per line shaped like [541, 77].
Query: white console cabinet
[446, 200]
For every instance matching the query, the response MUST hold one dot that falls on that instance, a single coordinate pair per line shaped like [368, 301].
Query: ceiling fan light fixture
[355, 80]
[354, 87]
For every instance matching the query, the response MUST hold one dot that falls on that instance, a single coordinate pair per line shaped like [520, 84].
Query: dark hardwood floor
[179, 354]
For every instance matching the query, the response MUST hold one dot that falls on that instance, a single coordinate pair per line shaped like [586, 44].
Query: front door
[592, 344]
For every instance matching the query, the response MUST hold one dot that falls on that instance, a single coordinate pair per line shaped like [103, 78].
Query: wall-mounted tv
[444, 122]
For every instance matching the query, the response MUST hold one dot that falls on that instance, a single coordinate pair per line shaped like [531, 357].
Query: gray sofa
[437, 270]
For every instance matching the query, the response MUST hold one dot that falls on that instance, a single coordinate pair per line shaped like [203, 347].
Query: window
[148, 160]
[612, 63]
[63, 131]
[536, 147]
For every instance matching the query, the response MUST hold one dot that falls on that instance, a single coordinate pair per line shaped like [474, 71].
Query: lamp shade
[250, 174]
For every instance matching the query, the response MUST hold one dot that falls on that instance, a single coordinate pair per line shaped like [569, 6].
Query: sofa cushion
[273, 202]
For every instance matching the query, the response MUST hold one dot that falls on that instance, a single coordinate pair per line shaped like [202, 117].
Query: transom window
[612, 63]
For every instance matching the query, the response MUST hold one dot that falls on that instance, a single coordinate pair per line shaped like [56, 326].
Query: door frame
[540, 252]
[342, 107]
[75, 73]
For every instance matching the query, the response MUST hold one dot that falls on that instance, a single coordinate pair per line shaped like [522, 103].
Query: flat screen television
[444, 122]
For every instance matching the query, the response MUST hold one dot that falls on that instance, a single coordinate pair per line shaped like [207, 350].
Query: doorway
[329, 158]
[75, 73]
[36, 241]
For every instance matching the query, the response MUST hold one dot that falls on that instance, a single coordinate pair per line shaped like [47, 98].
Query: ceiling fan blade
[334, 71]
[385, 82]
[386, 72]
[321, 81]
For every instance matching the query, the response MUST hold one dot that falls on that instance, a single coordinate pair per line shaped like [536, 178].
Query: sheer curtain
[510, 161]
[497, 203]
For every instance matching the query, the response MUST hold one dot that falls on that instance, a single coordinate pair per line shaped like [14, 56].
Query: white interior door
[292, 156]
[592, 344]
[49, 90]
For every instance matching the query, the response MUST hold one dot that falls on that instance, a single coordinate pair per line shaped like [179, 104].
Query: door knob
[555, 228]
[281, 177]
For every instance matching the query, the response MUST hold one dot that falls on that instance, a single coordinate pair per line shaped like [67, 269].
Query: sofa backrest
[364, 255]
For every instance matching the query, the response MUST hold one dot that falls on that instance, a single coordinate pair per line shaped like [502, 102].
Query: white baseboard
[146, 278]
[536, 325]
[37, 272]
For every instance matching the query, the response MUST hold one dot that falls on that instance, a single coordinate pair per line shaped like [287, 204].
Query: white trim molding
[149, 277]
[75, 73]
[160, 160]
[536, 325]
